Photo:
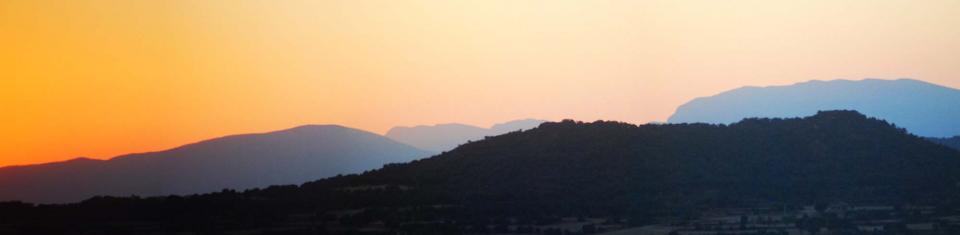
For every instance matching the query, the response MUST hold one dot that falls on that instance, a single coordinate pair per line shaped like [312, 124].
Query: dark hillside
[833, 156]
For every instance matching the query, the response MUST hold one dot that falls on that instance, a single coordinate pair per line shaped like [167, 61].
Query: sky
[103, 78]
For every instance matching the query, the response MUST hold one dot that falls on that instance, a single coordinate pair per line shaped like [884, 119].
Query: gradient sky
[102, 78]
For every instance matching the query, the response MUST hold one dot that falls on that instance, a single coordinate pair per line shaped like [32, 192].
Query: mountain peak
[823, 115]
[316, 127]
[244, 161]
[839, 114]
[83, 159]
[441, 125]
[444, 137]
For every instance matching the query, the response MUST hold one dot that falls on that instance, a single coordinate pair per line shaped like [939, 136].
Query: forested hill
[834, 155]
[574, 168]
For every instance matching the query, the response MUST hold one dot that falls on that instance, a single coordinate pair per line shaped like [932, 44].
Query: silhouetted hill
[599, 169]
[238, 162]
[953, 142]
[837, 155]
[922, 108]
[444, 137]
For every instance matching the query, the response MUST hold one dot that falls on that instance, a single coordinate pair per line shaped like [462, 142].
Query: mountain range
[313, 152]
[559, 169]
[444, 137]
[290, 156]
[922, 108]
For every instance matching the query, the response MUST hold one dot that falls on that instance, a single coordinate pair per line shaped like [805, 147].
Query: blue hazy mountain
[444, 137]
[290, 156]
[952, 142]
[922, 108]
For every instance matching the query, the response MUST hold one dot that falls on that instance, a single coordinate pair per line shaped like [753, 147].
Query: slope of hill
[599, 169]
[953, 142]
[444, 137]
[238, 162]
[922, 108]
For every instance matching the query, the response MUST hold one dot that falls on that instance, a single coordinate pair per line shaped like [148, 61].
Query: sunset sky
[103, 78]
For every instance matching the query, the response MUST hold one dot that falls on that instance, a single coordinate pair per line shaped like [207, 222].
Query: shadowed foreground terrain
[576, 178]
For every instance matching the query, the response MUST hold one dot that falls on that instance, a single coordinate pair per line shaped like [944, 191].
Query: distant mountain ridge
[237, 162]
[922, 108]
[953, 142]
[444, 137]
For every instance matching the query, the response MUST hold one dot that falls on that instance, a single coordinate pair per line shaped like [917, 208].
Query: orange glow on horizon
[100, 78]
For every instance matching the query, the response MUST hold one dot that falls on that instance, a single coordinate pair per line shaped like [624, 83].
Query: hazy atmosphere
[462, 117]
[103, 78]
